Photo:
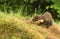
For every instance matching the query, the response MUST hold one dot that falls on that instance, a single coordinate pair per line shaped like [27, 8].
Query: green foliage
[56, 6]
[30, 7]
[31, 1]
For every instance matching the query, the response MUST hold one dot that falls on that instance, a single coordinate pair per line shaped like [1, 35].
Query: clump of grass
[12, 27]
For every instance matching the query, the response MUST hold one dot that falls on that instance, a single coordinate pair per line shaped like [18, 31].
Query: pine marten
[45, 19]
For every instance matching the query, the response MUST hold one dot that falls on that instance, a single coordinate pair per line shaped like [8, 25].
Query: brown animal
[45, 19]
[37, 19]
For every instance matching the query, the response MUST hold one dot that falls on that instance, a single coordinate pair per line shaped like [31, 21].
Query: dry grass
[15, 27]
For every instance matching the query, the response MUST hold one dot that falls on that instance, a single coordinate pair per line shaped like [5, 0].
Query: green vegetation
[29, 7]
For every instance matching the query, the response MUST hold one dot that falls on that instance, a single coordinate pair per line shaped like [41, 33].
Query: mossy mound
[12, 27]
[16, 27]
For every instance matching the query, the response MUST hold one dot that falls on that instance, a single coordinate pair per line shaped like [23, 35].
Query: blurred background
[30, 7]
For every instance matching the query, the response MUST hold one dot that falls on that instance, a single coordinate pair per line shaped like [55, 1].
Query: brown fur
[46, 17]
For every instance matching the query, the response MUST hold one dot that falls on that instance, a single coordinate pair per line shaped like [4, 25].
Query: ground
[16, 27]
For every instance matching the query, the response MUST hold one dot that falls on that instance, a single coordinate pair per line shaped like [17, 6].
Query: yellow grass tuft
[16, 27]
